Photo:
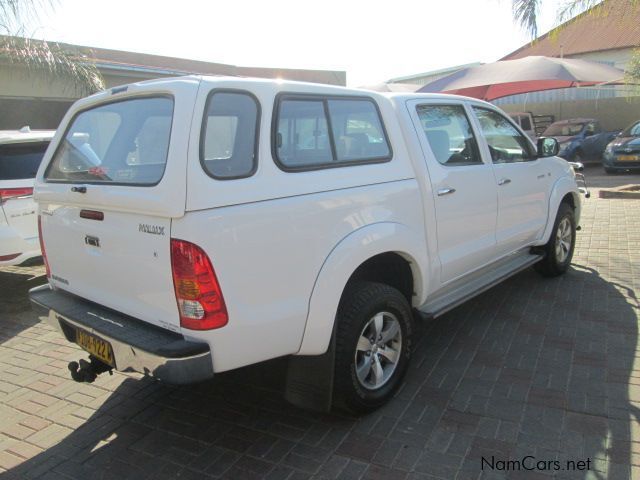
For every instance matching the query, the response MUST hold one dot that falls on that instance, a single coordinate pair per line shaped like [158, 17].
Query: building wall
[613, 113]
[28, 99]
[616, 58]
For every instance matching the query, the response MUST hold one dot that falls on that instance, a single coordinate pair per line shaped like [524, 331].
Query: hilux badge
[152, 229]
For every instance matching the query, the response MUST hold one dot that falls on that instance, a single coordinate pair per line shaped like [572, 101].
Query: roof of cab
[400, 97]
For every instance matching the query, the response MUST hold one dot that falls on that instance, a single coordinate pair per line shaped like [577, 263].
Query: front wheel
[373, 345]
[559, 249]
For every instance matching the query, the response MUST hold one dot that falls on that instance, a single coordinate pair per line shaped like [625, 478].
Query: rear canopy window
[328, 132]
[20, 161]
[229, 147]
[124, 143]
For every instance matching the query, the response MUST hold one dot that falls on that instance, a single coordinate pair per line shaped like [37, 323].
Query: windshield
[631, 131]
[124, 143]
[563, 129]
[19, 161]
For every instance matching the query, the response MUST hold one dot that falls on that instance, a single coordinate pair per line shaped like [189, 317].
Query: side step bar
[479, 282]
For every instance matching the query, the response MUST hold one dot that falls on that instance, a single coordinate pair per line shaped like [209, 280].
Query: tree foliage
[50, 59]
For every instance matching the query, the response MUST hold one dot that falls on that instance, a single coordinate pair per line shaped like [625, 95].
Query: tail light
[7, 193]
[44, 254]
[200, 301]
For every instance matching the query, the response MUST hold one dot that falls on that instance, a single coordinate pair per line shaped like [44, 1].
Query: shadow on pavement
[14, 285]
[531, 367]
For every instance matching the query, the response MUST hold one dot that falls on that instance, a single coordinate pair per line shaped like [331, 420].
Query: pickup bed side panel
[344, 259]
[267, 256]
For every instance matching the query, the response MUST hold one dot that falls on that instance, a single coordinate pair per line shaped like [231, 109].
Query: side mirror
[548, 147]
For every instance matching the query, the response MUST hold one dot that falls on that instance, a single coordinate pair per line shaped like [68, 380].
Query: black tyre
[558, 251]
[373, 345]
[609, 170]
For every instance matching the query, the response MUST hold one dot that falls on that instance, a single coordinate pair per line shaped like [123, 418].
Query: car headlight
[609, 149]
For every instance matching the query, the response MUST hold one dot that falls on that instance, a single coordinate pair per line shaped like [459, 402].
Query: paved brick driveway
[533, 367]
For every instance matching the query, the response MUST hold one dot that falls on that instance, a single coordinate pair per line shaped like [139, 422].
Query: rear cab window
[122, 143]
[20, 161]
[315, 132]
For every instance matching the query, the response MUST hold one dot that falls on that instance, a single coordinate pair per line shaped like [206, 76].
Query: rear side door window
[506, 143]
[313, 132]
[229, 138]
[449, 134]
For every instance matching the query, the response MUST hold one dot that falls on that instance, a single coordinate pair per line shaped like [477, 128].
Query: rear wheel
[373, 345]
[609, 170]
[559, 249]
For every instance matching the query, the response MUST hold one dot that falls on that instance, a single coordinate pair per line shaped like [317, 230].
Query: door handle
[541, 176]
[445, 191]
[504, 181]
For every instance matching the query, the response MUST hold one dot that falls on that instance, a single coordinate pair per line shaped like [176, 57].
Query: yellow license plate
[97, 347]
[629, 158]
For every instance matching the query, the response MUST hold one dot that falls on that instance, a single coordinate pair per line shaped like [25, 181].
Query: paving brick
[544, 367]
[50, 436]
[8, 460]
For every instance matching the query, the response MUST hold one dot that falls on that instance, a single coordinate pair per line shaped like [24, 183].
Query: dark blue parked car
[623, 153]
[580, 139]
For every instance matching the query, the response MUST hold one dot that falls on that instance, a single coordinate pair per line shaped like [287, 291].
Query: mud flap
[310, 380]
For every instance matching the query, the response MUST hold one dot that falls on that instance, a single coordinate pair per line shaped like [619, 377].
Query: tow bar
[83, 371]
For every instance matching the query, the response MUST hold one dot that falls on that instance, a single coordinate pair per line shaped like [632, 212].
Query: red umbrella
[528, 74]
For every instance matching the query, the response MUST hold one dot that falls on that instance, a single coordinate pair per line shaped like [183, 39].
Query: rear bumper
[622, 166]
[137, 346]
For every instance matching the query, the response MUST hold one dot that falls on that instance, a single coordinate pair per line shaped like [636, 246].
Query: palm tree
[525, 12]
[47, 58]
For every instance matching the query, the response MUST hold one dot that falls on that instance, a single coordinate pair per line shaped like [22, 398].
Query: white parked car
[197, 225]
[21, 152]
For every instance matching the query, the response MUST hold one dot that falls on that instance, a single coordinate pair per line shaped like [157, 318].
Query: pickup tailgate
[107, 192]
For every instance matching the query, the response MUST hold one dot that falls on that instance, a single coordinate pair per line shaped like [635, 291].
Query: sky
[371, 40]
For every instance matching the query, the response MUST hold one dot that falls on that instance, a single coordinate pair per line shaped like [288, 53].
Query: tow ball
[83, 371]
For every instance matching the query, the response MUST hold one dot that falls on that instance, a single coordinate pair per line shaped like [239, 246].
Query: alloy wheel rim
[378, 350]
[564, 239]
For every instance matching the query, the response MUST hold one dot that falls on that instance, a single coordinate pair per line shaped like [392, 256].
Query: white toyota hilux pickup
[196, 225]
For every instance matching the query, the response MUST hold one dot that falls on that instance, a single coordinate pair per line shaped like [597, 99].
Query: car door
[522, 181]
[462, 186]
[593, 138]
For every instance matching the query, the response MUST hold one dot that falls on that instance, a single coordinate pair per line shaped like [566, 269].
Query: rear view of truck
[108, 189]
